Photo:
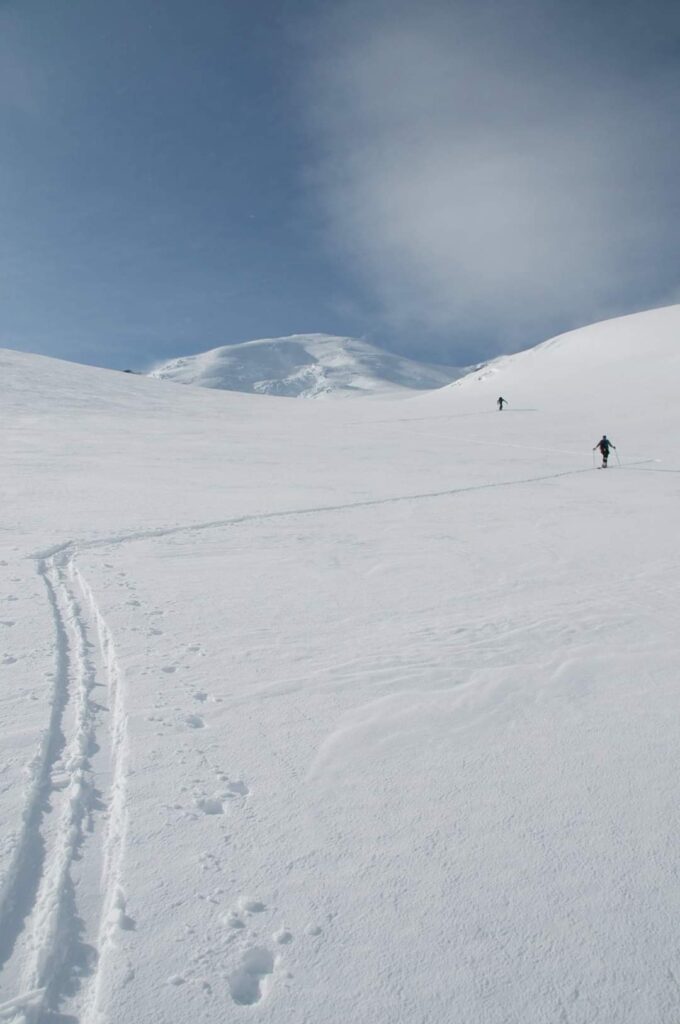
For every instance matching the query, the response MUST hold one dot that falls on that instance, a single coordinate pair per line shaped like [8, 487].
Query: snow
[343, 710]
[307, 366]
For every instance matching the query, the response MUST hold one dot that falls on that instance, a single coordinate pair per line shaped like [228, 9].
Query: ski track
[170, 531]
[40, 913]
[39, 910]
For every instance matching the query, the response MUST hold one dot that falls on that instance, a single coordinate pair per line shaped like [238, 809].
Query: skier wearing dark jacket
[500, 403]
[604, 445]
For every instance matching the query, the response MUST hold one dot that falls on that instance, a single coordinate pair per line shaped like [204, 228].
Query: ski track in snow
[170, 531]
[74, 818]
[41, 927]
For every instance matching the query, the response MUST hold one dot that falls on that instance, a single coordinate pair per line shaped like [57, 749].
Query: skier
[604, 445]
[500, 403]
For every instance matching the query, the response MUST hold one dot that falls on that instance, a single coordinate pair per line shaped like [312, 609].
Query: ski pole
[617, 456]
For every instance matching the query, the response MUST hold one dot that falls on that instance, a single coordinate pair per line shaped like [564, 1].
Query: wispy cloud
[499, 167]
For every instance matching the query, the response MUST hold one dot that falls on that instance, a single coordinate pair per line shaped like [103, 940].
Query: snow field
[359, 712]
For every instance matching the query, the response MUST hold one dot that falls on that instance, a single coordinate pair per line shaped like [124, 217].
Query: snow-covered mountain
[609, 366]
[306, 366]
[343, 711]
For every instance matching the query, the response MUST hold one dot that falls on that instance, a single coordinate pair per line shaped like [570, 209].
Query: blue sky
[447, 179]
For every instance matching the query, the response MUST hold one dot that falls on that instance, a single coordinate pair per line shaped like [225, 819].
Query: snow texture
[346, 711]
[307, 366]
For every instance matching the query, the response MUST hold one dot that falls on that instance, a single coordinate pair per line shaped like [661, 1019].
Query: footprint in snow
[249, 906]
[209, 804]
[239, 788]
[232, 920]
[248, 984]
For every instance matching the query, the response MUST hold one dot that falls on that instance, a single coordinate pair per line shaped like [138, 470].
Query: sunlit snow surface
[307, 366]
[349, 711]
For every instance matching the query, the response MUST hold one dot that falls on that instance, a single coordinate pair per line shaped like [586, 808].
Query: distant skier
[500, 403]
[604, 445]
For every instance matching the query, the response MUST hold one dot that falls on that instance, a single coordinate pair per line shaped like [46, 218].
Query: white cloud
[489, 167]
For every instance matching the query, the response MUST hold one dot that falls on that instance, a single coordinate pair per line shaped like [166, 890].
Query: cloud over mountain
[499, 168]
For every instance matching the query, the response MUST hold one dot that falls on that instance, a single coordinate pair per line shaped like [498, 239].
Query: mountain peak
[306, 366]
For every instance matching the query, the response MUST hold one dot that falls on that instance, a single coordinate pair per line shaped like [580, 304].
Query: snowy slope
[610, 367]
[306, 366]
[343, 711]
